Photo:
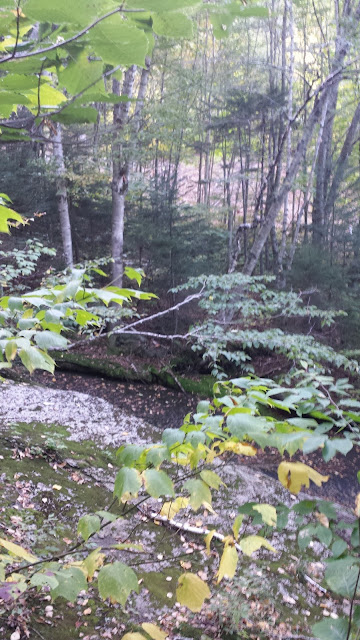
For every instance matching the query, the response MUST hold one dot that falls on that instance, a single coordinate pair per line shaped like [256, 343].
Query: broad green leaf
[158, 483]
[329, 629]
[338, 547]
[127, 484]
[80, 73]
[10, 350]
[237, 525]
[341, 576]
[250, 544]
[32, 358]
[6, 215]
[17, 551]
[172, 437]
[294, 475]
[156, 455]
[76, 115]
[15, 304]
[116, 581]
[118, 43]
[134, 274]
[199, 493]
[154, 631]
[161, 5]
[128, 454]
[228, 562]
[331, 447]
[44, 578]
[71, 581]
[191, 591]
[212, 479]
[50, 340]
[88, 525]
[268, 513]
[203, 407]
[81, 13]
[172, 25]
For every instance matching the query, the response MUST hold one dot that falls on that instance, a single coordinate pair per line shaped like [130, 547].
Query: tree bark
[62, 197]
[120, 176]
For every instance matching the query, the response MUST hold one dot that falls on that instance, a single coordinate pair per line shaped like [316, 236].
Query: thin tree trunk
[120, 171]
[62, 197]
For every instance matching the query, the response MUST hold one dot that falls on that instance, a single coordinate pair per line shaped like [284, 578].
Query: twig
[78, 35]
[127, 328]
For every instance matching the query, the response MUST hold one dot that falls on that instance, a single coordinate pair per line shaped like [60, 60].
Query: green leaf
[81, 13]
[70, 582]
[172, 437]
[80, 73]
[330, 629]
[203, 407]
[228, 563]
[88, 525]
[116, 581]
[76, 115]
[191, 591]
[172, 25]
[212, 479]
[250, 544]
[15, 304]
[161, 5]
[341, 576]
[50, 340]
[44, 578]
[7, 214]
[134, 274]
[118, 43]
[268, 513]
[237, 525]
[199, 493]
[127, 483]
[341, 445]
[32, 358]
[338, 547]
[158, 483]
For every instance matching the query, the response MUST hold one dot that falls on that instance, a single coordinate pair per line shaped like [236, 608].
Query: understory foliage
[242, 314]
[183, 473]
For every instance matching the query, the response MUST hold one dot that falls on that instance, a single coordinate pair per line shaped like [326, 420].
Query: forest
[179, 319]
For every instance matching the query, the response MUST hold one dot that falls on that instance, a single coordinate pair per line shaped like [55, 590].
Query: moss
[202, 386]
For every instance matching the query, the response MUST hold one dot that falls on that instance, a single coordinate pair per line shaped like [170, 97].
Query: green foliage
[35, 322]
[236, 305]
[22, 262]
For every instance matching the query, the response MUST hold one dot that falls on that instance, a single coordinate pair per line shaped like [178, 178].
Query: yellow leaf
[228, 562]
[357, 506]
[321, 517]
[268, 513]
[208, 539]
[293, 475]
[239, 448]
[250, 544]
[57, 487]
[18, 551]
[170, 509]
[192, 591]
[237, 525]
[133, 636]
[154, 631]
[94, 560]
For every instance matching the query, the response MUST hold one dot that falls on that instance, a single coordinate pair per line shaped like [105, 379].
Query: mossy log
[70, 361]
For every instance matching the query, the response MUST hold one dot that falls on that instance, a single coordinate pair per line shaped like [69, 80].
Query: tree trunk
[62, 197]
[120, 171]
